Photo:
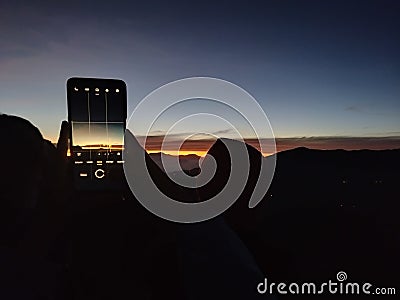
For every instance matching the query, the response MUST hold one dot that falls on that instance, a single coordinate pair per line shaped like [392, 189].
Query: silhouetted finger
[62, 144]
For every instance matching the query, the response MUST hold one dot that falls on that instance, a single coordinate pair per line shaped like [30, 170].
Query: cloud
[224, 131]
[156, 142]
[352, 108]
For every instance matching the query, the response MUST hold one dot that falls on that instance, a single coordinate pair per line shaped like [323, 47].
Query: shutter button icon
[99, 173]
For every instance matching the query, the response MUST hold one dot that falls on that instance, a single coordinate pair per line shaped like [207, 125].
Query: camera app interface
[98, 124]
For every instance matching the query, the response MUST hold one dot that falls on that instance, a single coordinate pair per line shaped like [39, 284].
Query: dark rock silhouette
[326, 211]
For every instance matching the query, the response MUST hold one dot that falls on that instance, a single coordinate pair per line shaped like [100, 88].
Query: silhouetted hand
[62, 143]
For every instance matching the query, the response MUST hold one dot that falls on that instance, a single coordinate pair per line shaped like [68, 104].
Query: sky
[326, 73]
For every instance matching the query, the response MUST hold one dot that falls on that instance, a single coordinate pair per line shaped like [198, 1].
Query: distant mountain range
[301, 157]
[168, 162]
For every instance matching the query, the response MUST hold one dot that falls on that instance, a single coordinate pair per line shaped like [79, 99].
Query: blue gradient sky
[318, 68]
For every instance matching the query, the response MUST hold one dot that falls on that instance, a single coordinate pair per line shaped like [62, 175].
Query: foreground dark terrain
[325, 212]
[331, 211]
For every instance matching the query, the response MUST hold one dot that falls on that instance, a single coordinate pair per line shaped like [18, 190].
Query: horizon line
[154, 144]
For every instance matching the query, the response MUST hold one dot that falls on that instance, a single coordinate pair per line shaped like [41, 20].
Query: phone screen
[97, 116]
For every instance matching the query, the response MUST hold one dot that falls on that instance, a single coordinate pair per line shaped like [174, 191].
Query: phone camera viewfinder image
[97, 120]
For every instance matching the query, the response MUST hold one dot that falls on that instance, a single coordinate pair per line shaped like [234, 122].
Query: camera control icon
[99, 173]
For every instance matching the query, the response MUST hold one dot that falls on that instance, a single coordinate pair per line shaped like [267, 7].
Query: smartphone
[97, 117]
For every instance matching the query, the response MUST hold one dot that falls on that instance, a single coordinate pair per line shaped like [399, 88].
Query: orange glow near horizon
[188, 152]
[179, 152]
[201, 147]
[104, 147]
